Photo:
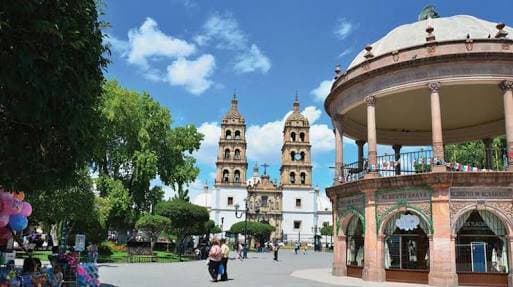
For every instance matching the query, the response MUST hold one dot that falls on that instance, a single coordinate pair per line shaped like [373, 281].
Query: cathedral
[292, 206]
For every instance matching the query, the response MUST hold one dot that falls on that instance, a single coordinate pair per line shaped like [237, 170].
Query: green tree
[257, 229]
[52, 56]
[474, 154]
[154, 225]
[207, 228]
[138, 143]
[186, 218]
[327, 230]
[116, 204]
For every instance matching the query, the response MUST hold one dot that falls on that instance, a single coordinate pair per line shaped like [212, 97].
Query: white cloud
[193, 75]
[312, 114]
[252, 60]
[343, 28]
[346, 52]
[223, 32]
[264, 142]
[148, 42]
[321, 92]
[322, 138]
[207, 153]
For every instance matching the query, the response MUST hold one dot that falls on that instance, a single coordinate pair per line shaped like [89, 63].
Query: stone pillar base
[339, 269]
[510, 280]
[439, 168]
[373, 274]
[443, 279]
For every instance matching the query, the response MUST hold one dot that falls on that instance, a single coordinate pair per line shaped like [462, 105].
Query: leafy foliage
[254, 228]
[153, 224]
[186, 218]
[138, 143]
[50, 88]
[327, 230]
[473, 153]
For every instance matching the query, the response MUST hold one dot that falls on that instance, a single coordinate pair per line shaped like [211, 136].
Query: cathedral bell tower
[296, 163]
[231, 158]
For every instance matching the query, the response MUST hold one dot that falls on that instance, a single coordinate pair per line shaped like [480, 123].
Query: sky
[192, 56]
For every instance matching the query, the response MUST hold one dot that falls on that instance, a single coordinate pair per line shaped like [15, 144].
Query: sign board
[80, 242]
[410, 195]
[480, 193]
[355, 201]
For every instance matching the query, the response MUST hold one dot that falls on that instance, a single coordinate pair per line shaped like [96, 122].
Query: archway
[481, 249]
[354, 247]
[406, 247]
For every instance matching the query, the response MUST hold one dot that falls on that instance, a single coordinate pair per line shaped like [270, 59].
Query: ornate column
[339, 246]
[442, 261]
[488, 153]
[373, 269]
[507, 87]
[436, 128]
[360, 144]
[510, 260]
[371, 136]
[339, 149]
[397, 154]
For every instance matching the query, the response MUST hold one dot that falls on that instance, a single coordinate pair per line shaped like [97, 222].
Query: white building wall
[305, 213]
[223, 213]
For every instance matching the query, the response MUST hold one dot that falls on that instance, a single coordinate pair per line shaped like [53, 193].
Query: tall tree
[154, 225]
[138, 143]
[50, 92]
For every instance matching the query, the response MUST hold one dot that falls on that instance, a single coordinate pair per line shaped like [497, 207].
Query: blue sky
[191, 55]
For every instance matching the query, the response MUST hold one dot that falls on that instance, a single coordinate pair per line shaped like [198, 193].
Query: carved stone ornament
[434, 86]
[370, 100]
[506, 85]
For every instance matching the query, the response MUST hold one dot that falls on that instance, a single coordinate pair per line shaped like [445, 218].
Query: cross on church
[265, 165]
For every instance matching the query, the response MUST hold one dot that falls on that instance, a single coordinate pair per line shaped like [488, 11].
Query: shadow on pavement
[107, 285]
[107, 265]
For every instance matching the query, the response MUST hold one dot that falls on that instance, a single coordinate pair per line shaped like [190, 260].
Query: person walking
[305, 247]
[225, 249]
[239, 251]
[275, 247]
[214, 258]
[296, 247]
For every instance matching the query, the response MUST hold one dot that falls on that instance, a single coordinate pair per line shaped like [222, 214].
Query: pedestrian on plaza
[275, 248]
[225, 249]
[239, 251]
[296, 247]
[305, 247]
[214, 258]
[92, 252]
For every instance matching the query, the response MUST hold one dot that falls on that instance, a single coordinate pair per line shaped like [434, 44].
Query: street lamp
[237, 206]
[222, 223]
[316, 239]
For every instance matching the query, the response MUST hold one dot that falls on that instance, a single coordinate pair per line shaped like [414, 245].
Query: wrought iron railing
[408, 163]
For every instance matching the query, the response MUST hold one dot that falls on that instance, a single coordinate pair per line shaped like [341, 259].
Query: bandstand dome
[466, 59]
[446, 28]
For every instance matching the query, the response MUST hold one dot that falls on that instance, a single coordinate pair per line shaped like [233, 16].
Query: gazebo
[416, 217]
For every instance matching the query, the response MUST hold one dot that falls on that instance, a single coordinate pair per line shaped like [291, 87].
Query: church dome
[445, 29]
[203, 199]
[296, 116]
[233, 115]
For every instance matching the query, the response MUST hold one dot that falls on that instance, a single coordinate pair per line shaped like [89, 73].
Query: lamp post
[237, 206]
[222, 223]
[316, 239]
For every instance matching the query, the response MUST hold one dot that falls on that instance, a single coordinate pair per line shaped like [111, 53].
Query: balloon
[26, 209]
[5, 233]
[4, 220]
[18, 222]
[11, 206]
[19, 195]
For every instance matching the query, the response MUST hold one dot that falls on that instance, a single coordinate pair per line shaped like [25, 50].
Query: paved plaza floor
[258, 270]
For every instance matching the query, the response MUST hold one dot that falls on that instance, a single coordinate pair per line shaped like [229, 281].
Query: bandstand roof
[446, 29]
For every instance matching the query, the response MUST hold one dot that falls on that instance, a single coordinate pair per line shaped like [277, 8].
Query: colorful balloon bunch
[13, 212]
[87, 275]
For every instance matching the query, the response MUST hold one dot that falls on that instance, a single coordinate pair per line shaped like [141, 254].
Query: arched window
[293, 136]
[406, 242]
[236, 177]
[302, 155]
[237, 135]
[292, 155]
[302, 137]
[226, 176]
[227, 153]
[228, 135]
[237, 154]
[354, 242]
[292, 177]
[481, 243]
[303, 178]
